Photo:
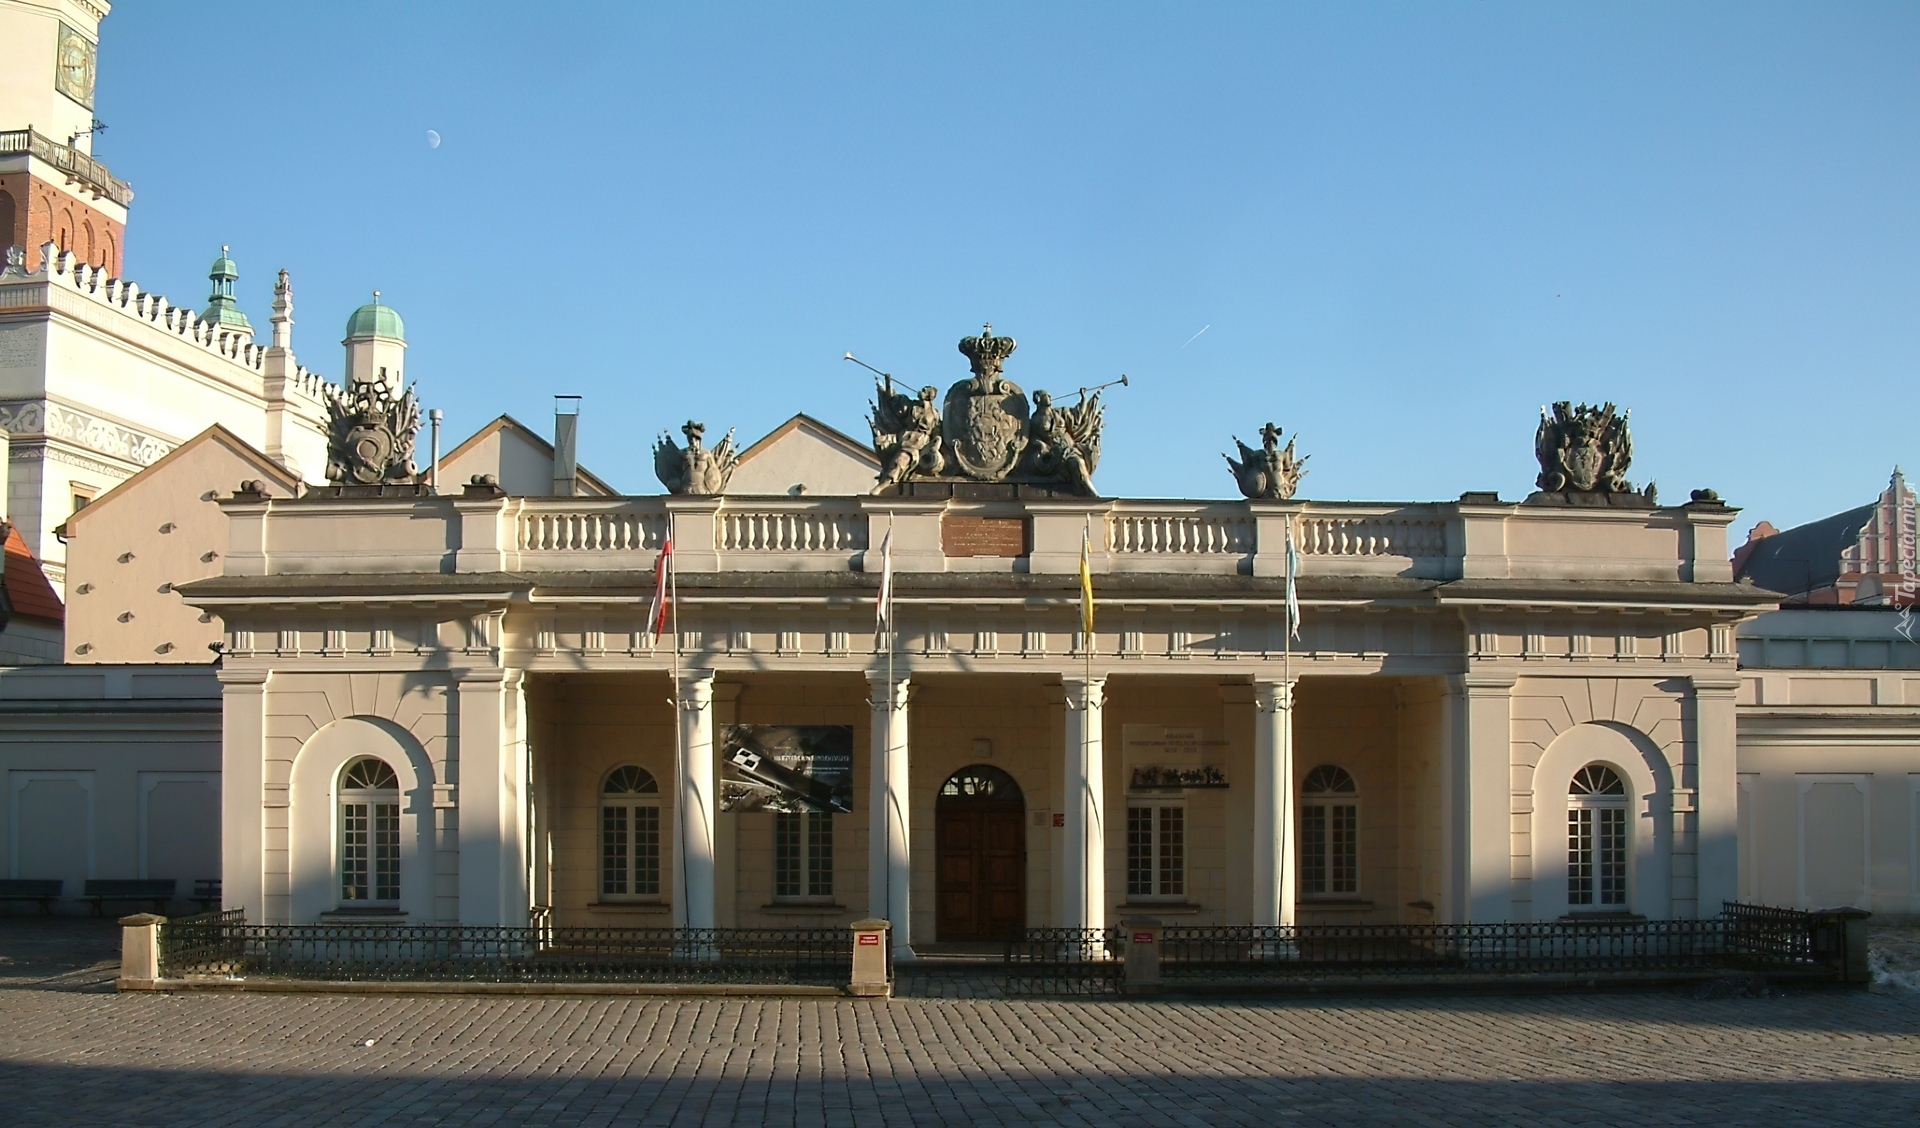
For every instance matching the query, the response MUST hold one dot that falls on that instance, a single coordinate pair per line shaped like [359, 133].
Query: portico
[1458, 664]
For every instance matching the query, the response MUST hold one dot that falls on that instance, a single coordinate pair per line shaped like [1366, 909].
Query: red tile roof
[27, 587]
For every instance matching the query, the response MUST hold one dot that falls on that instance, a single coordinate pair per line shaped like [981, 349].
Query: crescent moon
[433, 139]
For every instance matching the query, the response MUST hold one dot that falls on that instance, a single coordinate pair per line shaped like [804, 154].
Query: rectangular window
[1597, 856]
[802, 856]
[614, 845]
[354, 848]
[1329, 849]
[630, 851]
[369, 851]
[1156, 851]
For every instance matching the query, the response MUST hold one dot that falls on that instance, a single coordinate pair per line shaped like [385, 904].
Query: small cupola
[222, 308]
[376, 346]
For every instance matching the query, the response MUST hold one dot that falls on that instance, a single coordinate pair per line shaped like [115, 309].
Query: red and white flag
[883, 606]
[661, 606]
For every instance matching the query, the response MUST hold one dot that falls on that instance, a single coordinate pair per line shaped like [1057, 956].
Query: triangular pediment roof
[528, 435]
[288, 481]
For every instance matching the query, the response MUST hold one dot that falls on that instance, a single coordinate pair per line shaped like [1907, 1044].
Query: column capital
[1083, 692]
[1482, 684]
[696, 689]
[883, 695]
[1272, 696]
[480, 675]
[1715, 685]
[244, 680]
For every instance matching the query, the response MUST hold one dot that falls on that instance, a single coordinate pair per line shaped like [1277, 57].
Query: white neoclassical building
[1493, 711]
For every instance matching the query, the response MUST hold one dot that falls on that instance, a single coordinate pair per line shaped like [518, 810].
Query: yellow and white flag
[1086, 583]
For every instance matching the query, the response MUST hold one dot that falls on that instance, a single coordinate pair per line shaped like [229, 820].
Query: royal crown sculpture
[1584, 453]
[695, 470]
[986, 431]
[370, 439]
[1269, 472]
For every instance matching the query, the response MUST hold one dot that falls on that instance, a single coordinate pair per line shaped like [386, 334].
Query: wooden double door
[981, 883]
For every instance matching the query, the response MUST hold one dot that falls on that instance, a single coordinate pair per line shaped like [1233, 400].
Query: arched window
[1597, 839]
[8, 217]
[369, 834]
[1329, 833]
[630, 835]
[981, 781]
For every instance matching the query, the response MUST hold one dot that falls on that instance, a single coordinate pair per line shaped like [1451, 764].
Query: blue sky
[1403, 227]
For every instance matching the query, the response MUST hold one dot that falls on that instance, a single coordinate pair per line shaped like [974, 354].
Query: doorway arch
[980, 886]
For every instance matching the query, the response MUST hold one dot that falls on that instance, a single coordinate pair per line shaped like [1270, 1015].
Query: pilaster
[243, 750]
[1084, 797]
[694, 804]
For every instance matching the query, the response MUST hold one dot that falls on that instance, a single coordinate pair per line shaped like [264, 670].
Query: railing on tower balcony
[69, 160]
[816, 527]
[1189, 531]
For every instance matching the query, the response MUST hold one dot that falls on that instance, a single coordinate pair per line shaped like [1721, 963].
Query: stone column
[1276, 880]
[694, 804]
[1476, 816]
[243, 752]
[492, 798]
[1716, 799]
[889, 852]
[1084, 799]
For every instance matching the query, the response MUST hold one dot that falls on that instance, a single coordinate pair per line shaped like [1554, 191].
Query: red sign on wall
[1143, 938]
[870, 939]
[1060, 818]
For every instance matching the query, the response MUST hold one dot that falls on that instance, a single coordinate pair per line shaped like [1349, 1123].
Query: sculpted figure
[906, 434]
[1269, 472]
[1583, 449]
[370, 439]
[1063, 443]
[695, 470]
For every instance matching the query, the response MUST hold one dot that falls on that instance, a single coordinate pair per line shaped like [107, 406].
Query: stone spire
[282, 318]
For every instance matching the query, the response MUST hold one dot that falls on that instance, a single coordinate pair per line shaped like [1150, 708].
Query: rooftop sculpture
[1269, 472]
[1584, 453]
[694, 470]
[370, 439]
[986, 431]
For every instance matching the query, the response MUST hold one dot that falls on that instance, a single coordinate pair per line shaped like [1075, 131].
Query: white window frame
[150, 780]
[1326, 801]
[1158, 848]
[806, 858]
[1599, 806]
[630, 802]
[372, 799]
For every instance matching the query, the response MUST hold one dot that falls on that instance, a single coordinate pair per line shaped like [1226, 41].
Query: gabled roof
[806, 422]
[244, 450]
[1806, 557]
[509, 423]
[28, 593]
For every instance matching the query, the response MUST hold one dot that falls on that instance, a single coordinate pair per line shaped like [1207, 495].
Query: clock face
[73, 66]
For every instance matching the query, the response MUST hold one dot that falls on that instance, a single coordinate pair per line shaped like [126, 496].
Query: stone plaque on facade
[985, 536]
[1173, 756]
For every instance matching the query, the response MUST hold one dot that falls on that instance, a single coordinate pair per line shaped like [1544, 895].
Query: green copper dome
[376, 319]
[222, 309]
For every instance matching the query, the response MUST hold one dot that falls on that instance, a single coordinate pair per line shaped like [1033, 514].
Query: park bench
[206, 893]
[157, 890]
[45, 891]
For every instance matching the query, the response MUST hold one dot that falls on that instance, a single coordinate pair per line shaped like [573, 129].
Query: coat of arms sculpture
[370, 439]
[1584, 453]
[694, 470]
[1272, 471]
[986, 431]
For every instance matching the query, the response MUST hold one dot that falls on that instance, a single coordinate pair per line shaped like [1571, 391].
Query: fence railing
[223, 946]
[1064, 961]
[1179, 534]
[1744, 938]
[790, 530]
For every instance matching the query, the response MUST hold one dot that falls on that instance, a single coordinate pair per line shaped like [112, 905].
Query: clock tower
[52, 189]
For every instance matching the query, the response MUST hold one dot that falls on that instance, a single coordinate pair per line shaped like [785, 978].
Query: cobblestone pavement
[73, 1052]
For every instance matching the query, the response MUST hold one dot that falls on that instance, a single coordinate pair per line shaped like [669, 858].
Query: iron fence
[1743, 938]
[222, 945]
[1064, 961]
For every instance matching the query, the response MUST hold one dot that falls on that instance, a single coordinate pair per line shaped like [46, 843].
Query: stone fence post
[870, 973]
[1143, 955]
[139, 952]
[1840, 937]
